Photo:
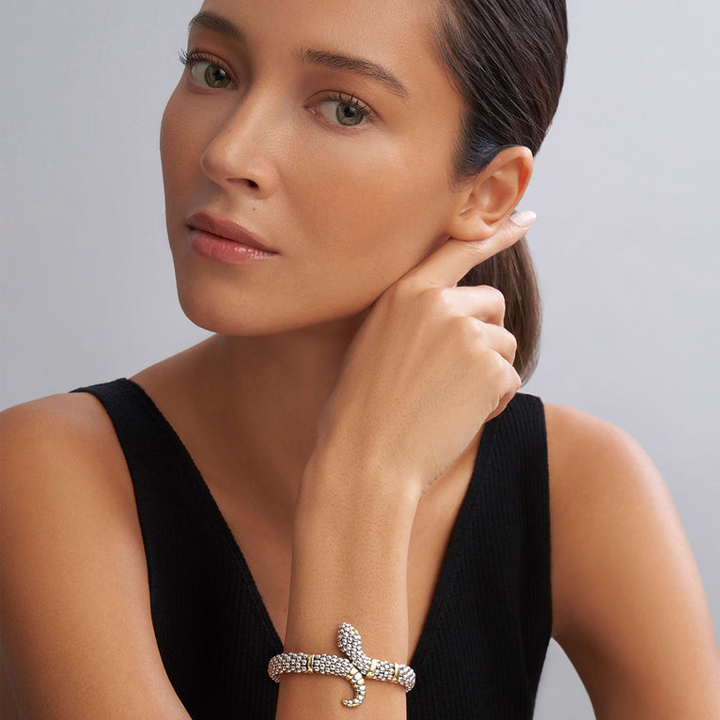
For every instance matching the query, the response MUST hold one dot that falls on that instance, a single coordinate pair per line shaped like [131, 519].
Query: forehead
[391, 33]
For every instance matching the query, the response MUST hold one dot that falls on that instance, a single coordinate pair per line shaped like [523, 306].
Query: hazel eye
[214, 71]
[348, 109]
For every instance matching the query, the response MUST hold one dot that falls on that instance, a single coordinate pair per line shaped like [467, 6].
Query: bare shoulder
[75, 623]
[74, 427]
[629, 607]
[79, 413]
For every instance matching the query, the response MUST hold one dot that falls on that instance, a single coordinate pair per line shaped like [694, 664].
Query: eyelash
[189, 60]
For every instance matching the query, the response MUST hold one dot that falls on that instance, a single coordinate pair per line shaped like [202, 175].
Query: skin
[365, 206]
[349, 209]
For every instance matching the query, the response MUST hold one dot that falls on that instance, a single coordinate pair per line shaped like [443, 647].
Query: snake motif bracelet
[355, 667]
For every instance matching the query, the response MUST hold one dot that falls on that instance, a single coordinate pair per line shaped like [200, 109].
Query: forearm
[350, 556]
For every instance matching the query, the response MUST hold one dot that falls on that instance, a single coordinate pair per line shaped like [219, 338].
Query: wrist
[364, 492]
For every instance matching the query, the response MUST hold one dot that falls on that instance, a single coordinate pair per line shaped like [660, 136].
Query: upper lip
[227, 229]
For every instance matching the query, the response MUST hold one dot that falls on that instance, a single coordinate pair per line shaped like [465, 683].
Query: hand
[429, 365]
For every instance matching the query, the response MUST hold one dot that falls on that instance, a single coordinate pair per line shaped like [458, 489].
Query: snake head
[348, 640]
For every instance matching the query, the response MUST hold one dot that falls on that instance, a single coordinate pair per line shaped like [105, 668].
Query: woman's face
[349, 202]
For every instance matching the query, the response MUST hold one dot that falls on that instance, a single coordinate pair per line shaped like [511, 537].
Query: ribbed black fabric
[484, 642]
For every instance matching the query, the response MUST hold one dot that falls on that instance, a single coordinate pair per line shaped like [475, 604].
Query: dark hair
[507, 59]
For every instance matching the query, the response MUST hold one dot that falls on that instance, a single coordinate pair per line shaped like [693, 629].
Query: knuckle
[497, 296]
[468, 328]
[440, 299]
[478, 327]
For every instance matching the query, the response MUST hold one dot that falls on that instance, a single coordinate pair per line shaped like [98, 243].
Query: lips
[227, 229]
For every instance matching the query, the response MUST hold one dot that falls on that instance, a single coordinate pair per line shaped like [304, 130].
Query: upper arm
[77, 635]
[628, 601]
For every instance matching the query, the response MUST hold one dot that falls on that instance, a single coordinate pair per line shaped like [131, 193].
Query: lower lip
[223, 250]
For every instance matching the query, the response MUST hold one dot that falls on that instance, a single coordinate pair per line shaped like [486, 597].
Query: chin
[210, 311]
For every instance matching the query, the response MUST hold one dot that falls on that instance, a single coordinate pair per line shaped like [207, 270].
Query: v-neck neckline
[449, 565]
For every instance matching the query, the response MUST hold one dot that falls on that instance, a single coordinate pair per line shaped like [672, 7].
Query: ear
[492, 196]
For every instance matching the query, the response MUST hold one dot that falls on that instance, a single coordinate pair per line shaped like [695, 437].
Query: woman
[351, 444]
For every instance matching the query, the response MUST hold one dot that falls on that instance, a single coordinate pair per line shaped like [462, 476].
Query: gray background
[624, 188]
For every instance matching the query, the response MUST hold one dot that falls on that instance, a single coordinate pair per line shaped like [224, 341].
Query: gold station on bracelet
[373, 665]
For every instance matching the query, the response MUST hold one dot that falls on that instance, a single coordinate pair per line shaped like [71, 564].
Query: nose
[243, 150]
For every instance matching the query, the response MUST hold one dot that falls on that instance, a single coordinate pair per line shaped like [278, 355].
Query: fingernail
[523, 219]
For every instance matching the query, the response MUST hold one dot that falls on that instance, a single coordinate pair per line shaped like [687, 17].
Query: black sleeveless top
[483, 644]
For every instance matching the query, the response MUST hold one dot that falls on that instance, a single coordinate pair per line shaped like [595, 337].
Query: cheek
[374, 213]
[168, 132]
[171, 151]
[348, 183]
[181, 145]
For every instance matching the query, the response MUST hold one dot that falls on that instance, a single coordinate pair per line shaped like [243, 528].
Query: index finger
[455, 258]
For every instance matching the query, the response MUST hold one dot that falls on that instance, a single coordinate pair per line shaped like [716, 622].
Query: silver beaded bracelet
[355, 667]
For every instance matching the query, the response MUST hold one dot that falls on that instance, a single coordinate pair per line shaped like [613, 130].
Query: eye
[349, 109]
[215, 71]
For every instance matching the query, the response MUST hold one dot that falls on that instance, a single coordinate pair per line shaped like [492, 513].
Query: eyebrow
[306, 56]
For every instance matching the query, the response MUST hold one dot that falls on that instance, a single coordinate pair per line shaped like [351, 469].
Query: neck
[259, 399]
